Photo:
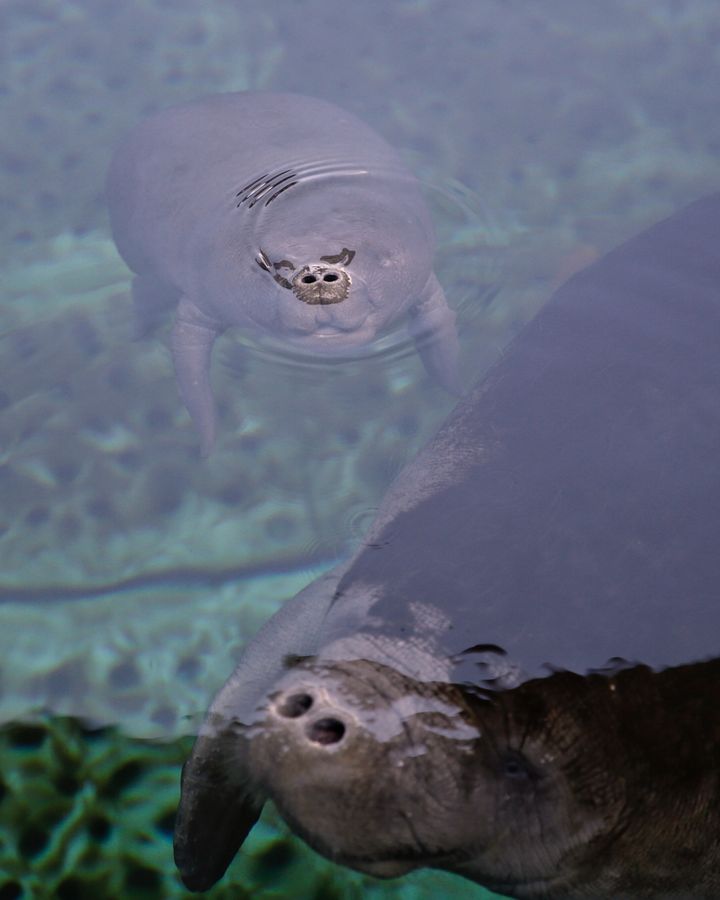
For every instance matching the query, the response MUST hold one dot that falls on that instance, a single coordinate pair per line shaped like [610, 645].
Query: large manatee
[283, 215]
[516, 676]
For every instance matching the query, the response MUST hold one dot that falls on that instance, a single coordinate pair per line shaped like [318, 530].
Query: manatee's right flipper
[216, 811]
[191, 341]
[152, 301]
[218, 803]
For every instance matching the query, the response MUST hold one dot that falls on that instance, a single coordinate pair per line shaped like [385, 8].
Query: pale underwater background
[133, 572]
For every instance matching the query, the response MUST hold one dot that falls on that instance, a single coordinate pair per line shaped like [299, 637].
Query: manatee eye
[513, 769]
[517, 768]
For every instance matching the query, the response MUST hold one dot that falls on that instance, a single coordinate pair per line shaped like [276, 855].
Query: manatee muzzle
[309, 715]
[321, 285]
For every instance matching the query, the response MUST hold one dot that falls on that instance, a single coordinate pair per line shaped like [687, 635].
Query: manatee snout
[364, 764]
[310, 715]
[329, 750]
[328, 328]
[321, 285]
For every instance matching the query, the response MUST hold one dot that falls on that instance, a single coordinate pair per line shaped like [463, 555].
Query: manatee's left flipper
[152, 301]
[218, 804]
[432, 326]
[191, 341]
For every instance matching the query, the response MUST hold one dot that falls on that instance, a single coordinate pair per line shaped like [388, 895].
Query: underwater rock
[280, 214]
[515, 678]
[84, 811]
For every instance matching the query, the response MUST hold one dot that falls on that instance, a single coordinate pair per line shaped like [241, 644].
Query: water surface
[132, 571]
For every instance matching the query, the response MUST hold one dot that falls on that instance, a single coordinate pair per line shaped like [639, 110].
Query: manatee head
[570, 787]
[335, 270]
[386, 774]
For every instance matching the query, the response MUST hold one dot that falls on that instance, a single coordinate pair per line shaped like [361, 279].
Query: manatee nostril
[326, 731]
[295, 705]
[331, 276]
[308, 279]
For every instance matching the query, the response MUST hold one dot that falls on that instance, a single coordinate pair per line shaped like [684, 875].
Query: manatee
[516, 677]
[280, 214]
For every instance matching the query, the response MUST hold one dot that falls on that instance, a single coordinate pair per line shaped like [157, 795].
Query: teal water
[133, 572]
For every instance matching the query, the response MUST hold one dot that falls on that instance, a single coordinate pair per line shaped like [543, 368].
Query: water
[133, 572]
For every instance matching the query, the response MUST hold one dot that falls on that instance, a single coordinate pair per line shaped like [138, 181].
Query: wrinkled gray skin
[432, 702]
[280, 214]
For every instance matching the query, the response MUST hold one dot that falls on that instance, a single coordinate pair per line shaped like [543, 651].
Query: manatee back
[183, 166]
[569, 510]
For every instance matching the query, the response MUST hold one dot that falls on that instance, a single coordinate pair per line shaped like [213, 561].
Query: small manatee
[280, 214]
[517, 676]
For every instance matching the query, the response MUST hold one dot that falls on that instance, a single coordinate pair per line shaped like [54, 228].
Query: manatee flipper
[216, 814]
[218, 805]
[191, 342]
[152, 301]
[432, 326]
